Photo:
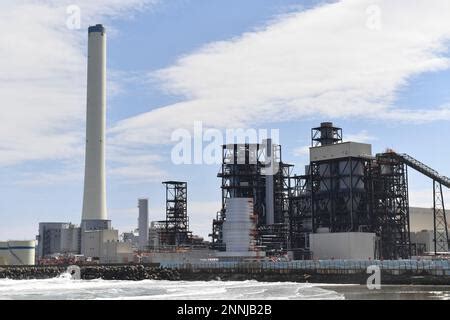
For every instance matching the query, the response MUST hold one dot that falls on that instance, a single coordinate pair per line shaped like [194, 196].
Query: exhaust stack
[94, 200]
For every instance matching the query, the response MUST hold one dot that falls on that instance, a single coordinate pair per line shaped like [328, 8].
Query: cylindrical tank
[238, 227]
[4, 253]
[20, 253]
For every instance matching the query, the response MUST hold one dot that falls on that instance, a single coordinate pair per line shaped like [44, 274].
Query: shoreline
[152, 272]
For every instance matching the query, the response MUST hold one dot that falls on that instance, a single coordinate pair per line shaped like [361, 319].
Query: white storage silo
[4, 253]
[239, 227]
[20, 253]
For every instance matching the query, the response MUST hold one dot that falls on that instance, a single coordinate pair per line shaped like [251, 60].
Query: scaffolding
[240, 178]
[300, 215]
[344, 189]
[326, 135]
[176, 226]
[440, 226]
[245, 172]
[390, 206]
[439, 220]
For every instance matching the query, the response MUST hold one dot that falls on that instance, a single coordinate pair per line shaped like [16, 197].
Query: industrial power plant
[347, 203]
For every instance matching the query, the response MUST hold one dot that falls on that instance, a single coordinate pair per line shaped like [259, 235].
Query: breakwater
[106, 272]
[340, 272]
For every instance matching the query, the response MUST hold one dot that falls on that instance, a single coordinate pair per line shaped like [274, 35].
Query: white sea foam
[65, 288]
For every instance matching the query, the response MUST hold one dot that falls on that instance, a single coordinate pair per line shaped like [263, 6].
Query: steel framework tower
[390, 206]
[300, 215]
[339, 188]
[441, 240]
[439, 220]
[244, 174]
[176, 231]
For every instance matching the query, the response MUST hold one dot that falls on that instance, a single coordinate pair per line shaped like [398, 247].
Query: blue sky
[279, 64]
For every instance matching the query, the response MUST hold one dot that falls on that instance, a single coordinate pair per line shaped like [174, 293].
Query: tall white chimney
[94, 200]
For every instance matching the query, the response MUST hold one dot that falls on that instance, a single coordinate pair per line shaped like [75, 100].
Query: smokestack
[270, 210]
[143, 224]
[94, 201]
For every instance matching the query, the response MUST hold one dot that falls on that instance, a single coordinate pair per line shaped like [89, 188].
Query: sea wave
[63, 288]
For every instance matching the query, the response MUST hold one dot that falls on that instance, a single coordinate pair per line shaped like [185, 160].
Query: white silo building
[239, 230]
[17, 253]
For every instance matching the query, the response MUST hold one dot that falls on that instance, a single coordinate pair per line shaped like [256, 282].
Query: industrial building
[58, 238]
[346, 195]
[94, 239]
[256, 172]
[347, 204]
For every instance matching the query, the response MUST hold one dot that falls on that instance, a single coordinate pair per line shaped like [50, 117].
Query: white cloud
[43, 178]
[322, 62]
[362, 136]
[128, 165]
[43, 75]
[301, 151]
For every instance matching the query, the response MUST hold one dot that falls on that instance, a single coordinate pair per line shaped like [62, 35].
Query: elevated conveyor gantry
[441, 240]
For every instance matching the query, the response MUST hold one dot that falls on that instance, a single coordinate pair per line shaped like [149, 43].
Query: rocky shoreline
[122, 272]
[145, 272]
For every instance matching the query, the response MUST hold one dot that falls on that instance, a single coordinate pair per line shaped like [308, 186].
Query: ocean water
[63, 288]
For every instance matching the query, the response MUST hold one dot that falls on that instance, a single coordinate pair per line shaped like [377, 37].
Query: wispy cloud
[324, 62]
[43, 78]
[301, 151]
[362, 136]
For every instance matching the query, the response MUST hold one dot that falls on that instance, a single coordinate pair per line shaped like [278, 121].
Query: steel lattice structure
[176, 227]
[390, 206]
[439, 220]
[244, 172]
